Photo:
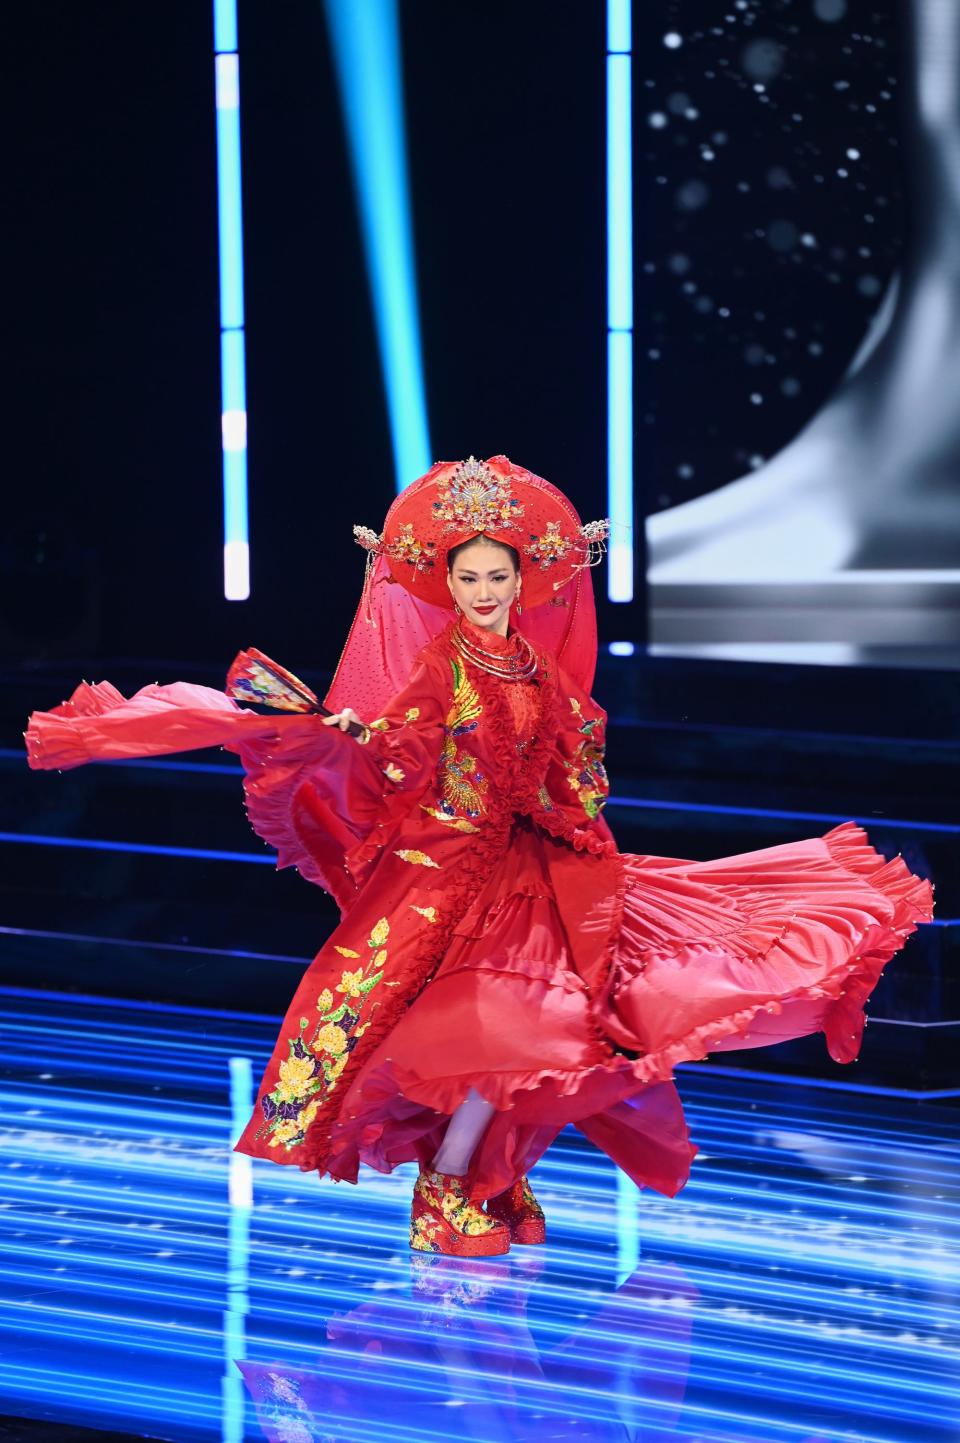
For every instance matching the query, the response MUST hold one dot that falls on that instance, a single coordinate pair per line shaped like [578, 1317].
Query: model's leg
[442, 1218]
[517, 1207]
[464, 1130]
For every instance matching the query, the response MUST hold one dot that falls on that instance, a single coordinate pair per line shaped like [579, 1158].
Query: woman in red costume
[500, 969]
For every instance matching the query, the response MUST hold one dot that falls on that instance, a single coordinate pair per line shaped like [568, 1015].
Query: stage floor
[805, 1286]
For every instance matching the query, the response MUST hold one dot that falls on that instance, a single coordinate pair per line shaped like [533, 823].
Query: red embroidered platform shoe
[443, 1220]
[519, 1209]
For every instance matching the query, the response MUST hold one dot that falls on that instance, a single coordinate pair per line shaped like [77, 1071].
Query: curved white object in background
[851, 534]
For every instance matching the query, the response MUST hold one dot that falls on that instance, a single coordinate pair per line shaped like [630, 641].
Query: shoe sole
[529, 1233]
[452, 1245]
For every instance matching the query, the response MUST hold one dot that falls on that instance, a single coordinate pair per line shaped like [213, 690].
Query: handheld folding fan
[254, 677]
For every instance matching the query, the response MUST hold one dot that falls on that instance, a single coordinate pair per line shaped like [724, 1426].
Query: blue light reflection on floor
[804, 1286]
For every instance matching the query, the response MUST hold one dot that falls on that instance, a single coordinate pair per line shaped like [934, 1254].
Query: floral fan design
[254, 677]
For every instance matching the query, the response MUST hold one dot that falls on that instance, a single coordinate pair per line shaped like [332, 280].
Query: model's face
[484, 583]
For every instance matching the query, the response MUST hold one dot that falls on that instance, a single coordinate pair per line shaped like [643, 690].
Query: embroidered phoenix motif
[463, 788]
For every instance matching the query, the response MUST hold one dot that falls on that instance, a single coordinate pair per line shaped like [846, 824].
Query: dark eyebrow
[465, 571]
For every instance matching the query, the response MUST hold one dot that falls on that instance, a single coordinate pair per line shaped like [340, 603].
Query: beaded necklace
[514, 668]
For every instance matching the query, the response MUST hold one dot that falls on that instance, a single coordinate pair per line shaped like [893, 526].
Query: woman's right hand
[343, 719]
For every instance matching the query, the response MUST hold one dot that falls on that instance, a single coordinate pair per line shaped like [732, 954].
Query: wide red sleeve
[98, 724]
[317, 793]
[576, 777]
[313, 792]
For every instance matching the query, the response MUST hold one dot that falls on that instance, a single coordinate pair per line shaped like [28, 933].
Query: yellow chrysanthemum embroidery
[412, 713]
[295, 1072]
[331, 1039]
[429, 912]
[393, 773]
[315, 1062]
[350, 984]
[283, 1132]
[415, 858]
[380, 725]
[306, 1114]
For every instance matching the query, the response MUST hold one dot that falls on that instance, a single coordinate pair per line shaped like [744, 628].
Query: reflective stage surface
[803, 1287]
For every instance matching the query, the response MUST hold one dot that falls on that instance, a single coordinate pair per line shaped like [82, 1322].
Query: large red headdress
[457, 500]
[454, 502]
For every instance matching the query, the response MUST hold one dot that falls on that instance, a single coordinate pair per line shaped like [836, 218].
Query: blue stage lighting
[147, 849]
[366, 51]
[236, 543]
[806, 1276]
[619, 302]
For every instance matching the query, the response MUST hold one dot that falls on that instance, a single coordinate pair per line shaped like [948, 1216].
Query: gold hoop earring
[516, 598]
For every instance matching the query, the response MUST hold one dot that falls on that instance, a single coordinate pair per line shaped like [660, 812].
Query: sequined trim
[415, 858]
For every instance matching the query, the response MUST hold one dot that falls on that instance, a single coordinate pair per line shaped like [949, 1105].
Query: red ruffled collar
[490, 640]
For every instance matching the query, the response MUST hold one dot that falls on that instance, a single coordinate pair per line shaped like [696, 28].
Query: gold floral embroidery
[295, 1072]
[394, 773]
[350, 983]
[412, 713]
[331, 1038]
[380, 725]
[380, 933]
[429, 912]
[544, 550]
[468, 1218]
[406, 547]
[417, 859]
[585, 773]
[314, 1065]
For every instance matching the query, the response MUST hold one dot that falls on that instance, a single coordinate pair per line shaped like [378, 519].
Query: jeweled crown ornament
[476, 497]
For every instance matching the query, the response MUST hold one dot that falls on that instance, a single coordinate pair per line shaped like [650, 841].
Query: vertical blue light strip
[619, 301]
[628, 1226]
[238, 1257]
[236, 542]
[366, 49]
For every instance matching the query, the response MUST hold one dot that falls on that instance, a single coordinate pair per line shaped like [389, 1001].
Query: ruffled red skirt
[738, 952]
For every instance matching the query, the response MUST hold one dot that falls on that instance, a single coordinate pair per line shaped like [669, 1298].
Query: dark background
[112, 539]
